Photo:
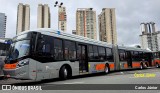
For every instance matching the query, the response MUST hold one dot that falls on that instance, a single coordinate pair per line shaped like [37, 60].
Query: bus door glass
[148, 58]
[129, 59]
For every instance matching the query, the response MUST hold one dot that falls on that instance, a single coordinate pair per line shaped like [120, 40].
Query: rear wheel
[106, 70]
[157, 65]
[63, 73]
[146, 64]
[141, 67]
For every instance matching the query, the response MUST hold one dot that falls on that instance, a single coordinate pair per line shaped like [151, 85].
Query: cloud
[129, 15]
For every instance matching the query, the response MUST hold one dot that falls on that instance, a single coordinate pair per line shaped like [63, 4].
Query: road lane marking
[122, 72]
[132, 77]
[75, 83]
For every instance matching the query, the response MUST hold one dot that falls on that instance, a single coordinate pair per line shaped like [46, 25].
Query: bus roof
[133, 49]
[64, 35]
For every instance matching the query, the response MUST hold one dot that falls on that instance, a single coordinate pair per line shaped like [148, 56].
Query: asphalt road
[151, 76]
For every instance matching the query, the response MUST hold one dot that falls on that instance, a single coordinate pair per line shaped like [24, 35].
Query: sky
[129, 15]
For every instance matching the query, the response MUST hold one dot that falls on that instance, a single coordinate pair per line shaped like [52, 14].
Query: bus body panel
[51, 70]
[111, 66]
[123, 65]
[156, 60]
[32, 69]
[18, 73]
[136, 64]
[95, 67]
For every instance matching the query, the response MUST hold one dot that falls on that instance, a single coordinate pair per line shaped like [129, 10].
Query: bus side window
[122, 55]
[135, 56]
[44, 46]
[70, 50]
[109, 54]
[102, 54]
[90, 53]
[140, 56]
[96, 57]
[58, 49]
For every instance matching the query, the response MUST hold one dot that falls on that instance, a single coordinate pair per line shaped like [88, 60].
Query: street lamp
[59, 6]
[56, 4]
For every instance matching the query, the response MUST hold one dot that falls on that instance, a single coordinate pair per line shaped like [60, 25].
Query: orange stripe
[10, 66]
[100, 66]
[158, 60]
[111, 66]
[155, 61]
[125, 65]
[136, 64]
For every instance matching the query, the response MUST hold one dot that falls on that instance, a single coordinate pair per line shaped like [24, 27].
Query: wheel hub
[65, 72]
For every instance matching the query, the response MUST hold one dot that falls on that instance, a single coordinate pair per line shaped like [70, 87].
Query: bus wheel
[106, 70]
[141, 66]
[157, 65]
[63, 73]
[146, 65]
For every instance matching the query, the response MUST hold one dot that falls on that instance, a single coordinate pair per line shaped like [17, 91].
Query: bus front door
[83, 63]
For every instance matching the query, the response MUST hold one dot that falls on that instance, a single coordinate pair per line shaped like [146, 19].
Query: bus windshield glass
[19, 49]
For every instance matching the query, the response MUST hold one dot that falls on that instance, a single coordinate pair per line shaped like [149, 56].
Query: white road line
[132, 77]
[139, 71]
[122, 72]
[75, 83]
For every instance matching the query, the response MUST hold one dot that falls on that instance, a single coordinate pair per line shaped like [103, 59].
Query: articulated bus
[156, 61]
[46, 54]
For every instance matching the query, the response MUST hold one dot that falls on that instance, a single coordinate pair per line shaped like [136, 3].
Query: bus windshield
[19, 49]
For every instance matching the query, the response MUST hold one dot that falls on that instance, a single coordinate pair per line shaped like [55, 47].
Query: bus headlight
[23, 63]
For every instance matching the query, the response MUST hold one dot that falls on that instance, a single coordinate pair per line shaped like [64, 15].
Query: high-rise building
[86, 23]
[148, 27]
[107, 26]
[43, 20]
[23, 18]
[150, 38]
[3, 19]
[62, 18]
[74, 32]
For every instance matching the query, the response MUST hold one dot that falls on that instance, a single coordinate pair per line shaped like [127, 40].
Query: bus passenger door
[82, 55]
[149, 58]
[129, 59]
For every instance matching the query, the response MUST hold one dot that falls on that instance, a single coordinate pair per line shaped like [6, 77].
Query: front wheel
[63, 73]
